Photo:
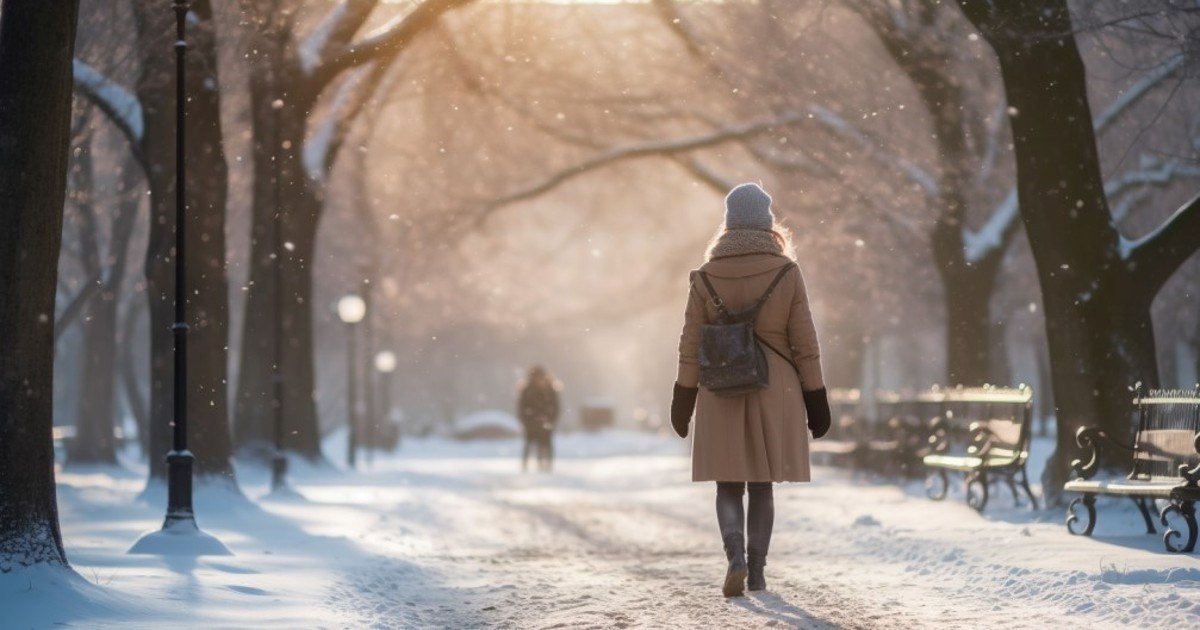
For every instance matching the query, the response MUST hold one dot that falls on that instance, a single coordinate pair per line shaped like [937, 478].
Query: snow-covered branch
[1154, 174]
[1135, 92]
[120, 105]
[994, 234]
[1002, 222]
[334, 32]
[320, 148]
[388, 41]
[1155, 256]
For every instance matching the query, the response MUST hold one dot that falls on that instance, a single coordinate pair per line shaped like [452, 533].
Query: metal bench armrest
[1191, 476]
[938, 438]
[980, 440]
[1087, 438]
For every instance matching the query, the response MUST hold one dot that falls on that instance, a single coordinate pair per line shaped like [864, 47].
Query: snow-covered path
[628, 541]
[445, 535]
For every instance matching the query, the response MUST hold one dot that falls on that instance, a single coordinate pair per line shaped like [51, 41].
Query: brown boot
[755, 581]
[735, 575]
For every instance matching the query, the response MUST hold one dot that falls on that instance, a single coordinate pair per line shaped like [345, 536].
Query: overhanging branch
[657, 147]
[1155, 256]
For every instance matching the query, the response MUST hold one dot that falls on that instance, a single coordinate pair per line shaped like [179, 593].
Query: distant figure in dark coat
[537, 408]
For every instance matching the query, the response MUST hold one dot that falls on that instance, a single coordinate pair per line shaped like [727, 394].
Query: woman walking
[537, 409]
[748, 441]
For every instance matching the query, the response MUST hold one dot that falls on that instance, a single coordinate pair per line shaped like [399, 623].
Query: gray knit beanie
[748, 207]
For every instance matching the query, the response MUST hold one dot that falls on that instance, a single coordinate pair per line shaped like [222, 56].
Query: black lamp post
[181, 519]
[179, 460]
[385, 364]
[279, 460]
[351, 309]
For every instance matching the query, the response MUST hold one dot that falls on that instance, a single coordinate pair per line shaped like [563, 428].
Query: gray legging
[732, 516]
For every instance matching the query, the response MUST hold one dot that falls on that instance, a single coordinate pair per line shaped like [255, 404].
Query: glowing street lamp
[385, 364]
[351, 309]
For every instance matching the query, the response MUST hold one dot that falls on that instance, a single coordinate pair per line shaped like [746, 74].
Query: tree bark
[37, 44]
[279, 135]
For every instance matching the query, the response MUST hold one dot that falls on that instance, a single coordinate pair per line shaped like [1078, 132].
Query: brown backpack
[731, 358]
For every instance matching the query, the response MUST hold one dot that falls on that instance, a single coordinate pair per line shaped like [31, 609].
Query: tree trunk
[922, 53]
[208, 296]
[129, 378]
[37, 42]
[279, 134]
[1097, 323]
[967, 294]
[94, 441]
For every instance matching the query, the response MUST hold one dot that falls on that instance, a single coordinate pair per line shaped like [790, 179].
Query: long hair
[780, 232]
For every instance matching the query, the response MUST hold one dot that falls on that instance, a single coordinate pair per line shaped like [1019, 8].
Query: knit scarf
[743, 242]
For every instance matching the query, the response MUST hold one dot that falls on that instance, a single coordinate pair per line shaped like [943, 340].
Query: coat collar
[744, 266]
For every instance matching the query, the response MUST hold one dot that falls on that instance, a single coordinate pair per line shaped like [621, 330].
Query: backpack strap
[722, 312]
[778, 352]
[779, 276]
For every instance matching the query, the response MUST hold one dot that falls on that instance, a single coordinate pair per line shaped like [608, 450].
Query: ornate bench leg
[1025, 485]
[1145, 510]
[1089, 503]
[942, 486]
[1012, 487]
[977, 490]
[1187, 510]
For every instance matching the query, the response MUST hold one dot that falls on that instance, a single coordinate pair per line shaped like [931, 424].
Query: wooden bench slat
[833, 447]
[1122, 487]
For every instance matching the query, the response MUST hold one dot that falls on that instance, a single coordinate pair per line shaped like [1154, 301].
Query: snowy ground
[454, 535]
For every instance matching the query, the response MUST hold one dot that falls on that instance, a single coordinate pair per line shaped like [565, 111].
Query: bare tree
[291, 74]
[1097, 285]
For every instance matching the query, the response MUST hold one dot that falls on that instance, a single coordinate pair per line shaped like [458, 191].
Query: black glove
[683, 403]
[816, 403]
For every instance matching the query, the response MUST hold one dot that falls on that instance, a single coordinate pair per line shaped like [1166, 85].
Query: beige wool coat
[762, 436]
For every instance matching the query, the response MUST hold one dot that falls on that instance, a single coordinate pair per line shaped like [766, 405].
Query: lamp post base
[179, 534]
[279, 466]
[179, 537]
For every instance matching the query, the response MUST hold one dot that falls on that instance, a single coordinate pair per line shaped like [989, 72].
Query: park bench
[901, 439]
[63, 435]
[890, 443]
[845, 440]
[982, 433]
[1166, 464]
